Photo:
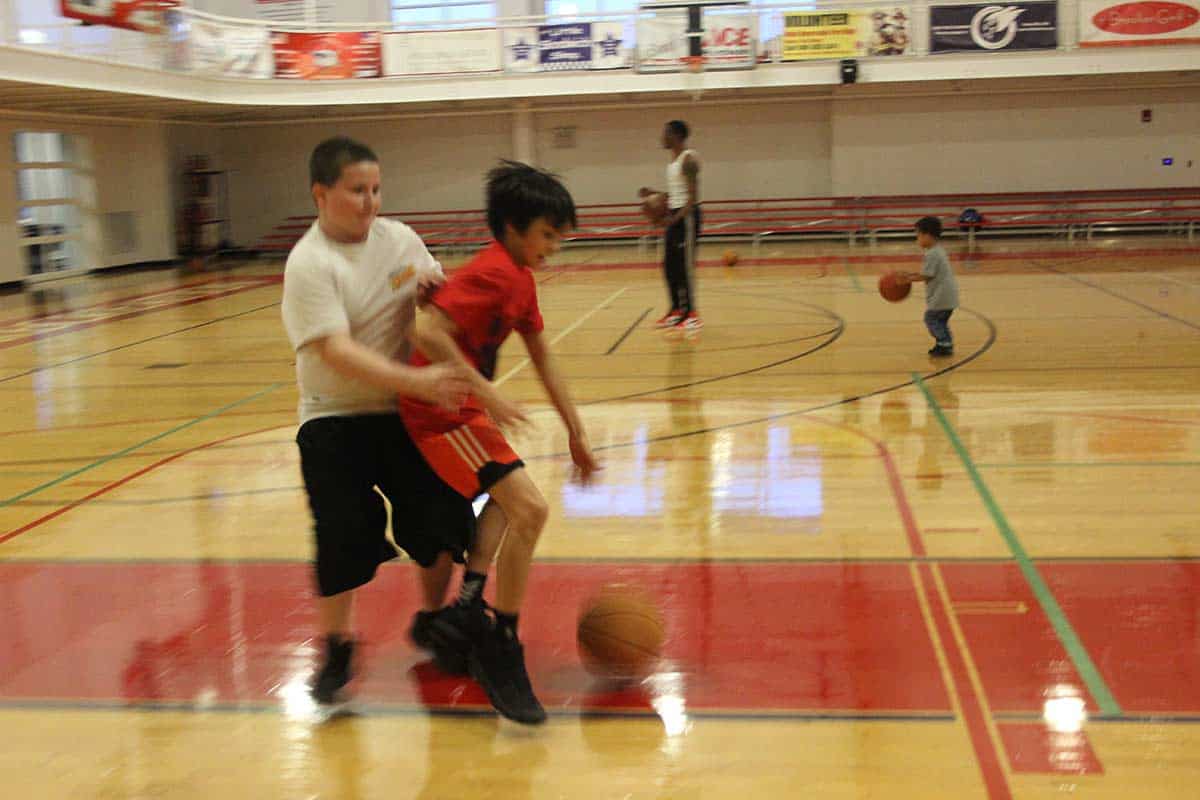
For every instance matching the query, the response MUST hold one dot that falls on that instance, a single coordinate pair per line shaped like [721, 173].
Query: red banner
[134, 15]
[325, 56]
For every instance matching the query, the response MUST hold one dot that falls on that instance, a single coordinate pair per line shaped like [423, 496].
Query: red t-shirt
[488, 298]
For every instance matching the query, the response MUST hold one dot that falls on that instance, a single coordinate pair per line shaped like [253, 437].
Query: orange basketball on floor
[729, 257]
[893, 288]
[620, 633]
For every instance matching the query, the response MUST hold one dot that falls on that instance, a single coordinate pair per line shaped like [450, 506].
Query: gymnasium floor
[882, 576]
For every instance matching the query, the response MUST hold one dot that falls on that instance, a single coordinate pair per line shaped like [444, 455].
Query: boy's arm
[556, 388]
[444, 385]
[433, 335]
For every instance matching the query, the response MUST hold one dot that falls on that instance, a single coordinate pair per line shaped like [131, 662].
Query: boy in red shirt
[466, 321]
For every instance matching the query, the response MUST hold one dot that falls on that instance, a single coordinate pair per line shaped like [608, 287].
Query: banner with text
[981, 27]
[134, 15]
[729, 41]
[228, 50]
[860, 33]
[327, 56]
[1103, 23]
[441, 52]
[579, 45]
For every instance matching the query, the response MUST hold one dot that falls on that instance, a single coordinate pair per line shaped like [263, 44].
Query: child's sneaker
[690, 322]
[670, 319]
[938, 351]
[420, 633]
[453, 631]
[498, 663]
[335, 673]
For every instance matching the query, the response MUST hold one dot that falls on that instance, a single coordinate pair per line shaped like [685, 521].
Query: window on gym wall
[444, 14]
[54, 193]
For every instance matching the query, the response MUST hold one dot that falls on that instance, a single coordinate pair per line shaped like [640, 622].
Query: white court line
[525, 361]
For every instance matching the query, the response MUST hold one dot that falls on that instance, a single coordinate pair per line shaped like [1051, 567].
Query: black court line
[1116, 294]
[134, 344]
[628, 331]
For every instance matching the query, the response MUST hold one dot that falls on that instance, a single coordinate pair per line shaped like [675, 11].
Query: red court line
[126, 479]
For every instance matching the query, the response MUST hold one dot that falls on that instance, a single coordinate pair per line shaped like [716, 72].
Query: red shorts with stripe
[470, 458]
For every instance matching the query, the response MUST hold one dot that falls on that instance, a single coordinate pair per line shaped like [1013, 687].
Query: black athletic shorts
[343, 459]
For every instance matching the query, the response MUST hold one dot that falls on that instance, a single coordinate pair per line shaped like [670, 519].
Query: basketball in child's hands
[893, 287]
[620, 633]
[654, 207]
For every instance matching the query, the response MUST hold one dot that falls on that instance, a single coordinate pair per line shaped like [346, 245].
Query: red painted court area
[803, 638]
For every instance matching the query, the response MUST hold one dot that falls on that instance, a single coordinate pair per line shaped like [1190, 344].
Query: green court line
[853, 276]
[66, 476]
[1058, 620]
[1054, 464]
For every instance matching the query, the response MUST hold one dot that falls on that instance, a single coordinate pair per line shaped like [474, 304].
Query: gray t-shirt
[941, 290]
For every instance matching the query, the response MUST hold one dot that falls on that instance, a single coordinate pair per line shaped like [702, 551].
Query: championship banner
[134, 15]
[729, 41]
[441, 52]
[1103, 23]
[551, 48]
[979, 27]
[235, 52]
[325, 56]
[859, 33]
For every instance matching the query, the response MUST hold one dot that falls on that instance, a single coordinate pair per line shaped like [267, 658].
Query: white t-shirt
[677, 184]
[367, 288]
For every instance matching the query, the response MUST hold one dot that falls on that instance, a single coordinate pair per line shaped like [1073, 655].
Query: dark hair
[679, 128]
[331, 156]
[517, 194]
[930, 225]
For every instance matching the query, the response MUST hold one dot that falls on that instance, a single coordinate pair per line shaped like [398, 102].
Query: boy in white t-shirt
[350, 292]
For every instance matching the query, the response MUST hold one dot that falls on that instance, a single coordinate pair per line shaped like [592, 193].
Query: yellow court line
[938, 646]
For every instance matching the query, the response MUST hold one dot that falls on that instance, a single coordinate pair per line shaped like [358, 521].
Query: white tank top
[677, 188]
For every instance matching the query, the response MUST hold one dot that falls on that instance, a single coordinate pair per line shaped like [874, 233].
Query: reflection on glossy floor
[883, 576]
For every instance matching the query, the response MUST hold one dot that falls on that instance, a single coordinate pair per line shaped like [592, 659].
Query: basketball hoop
[693, 63]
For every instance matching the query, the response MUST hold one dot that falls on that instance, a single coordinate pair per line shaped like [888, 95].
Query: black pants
[679, 261]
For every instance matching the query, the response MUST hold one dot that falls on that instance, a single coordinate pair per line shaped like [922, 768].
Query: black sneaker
[335, 673]
[938, 350]
[498, 663]
[453, 632]
[419, 633]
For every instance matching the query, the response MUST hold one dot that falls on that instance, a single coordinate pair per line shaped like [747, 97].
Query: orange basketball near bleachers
[620, 633]
[893, 288]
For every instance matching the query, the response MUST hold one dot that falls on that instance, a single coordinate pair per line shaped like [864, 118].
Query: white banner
[521, 50]
[580, 45]
[229, 50]
[609, 50]
[441, 52]
[729, 41]
[662, 41]
[1110, 23]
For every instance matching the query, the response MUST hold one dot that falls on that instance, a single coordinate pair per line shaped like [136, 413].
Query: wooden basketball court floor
[883, 576]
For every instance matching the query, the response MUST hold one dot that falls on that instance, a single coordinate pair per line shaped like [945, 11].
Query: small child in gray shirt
[941, 287]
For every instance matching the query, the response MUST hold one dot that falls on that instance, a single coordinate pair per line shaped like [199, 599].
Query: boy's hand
[426, 286]
[442, 385]
[585, 461]
[506, 413]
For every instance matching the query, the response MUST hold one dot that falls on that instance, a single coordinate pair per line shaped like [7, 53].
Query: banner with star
[575, 46]
[441, 52]
[860, 33]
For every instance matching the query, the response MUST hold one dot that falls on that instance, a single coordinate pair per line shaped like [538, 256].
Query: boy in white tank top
[682, 229]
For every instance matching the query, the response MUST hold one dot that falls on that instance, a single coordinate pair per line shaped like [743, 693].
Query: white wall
[1027, 142]
[130, 168]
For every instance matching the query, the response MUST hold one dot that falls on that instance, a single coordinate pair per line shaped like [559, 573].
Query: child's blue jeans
[938, 323]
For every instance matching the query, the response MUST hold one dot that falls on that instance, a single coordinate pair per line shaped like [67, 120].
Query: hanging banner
[134, 15]
[441, 52]
[859, 33]
[975, 28]
[325, 56]
[729, 41]
[662, 41]
[231, 51]
[1103, 23]
[552, 48]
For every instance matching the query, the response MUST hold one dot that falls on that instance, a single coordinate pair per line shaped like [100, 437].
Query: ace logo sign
[1010, 26]
[729, 40]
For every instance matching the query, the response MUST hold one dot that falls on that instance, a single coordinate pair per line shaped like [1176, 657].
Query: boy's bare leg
[434, 581]
[524, 514]
[334, 612]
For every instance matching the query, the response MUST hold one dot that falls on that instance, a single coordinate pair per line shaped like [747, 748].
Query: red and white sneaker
[670, 319]
[690, 322]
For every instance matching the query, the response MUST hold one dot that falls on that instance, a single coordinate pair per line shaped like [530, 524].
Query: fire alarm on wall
[1147, 114]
